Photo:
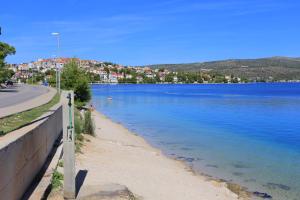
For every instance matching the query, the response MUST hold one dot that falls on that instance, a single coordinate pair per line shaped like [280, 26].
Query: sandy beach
[117, 156]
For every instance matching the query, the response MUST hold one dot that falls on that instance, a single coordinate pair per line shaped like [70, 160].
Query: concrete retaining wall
[24, 152]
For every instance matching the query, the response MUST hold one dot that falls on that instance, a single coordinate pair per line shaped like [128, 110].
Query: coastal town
[43, 71]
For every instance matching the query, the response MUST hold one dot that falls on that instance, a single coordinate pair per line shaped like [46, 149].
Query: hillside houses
[106, 72]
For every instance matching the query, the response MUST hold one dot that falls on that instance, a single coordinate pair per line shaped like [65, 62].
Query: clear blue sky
[141, 32]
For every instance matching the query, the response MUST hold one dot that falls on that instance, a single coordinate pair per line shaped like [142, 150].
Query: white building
[103, 76]
[113, 78]
[139, 79]
[175, 79]
[128, 76]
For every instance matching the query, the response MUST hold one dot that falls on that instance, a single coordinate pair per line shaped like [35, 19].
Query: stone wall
[24, 152]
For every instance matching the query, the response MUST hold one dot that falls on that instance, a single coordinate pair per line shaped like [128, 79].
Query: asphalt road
[19, 94]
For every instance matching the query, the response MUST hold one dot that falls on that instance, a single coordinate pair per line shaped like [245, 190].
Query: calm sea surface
[245, 133]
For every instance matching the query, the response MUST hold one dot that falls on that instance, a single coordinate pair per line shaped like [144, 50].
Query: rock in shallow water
[214, 166]
[240, 166]
[262, 195]
[239, 190]
[186, 149]
[188, 159]
[238, 173]
[250, 180]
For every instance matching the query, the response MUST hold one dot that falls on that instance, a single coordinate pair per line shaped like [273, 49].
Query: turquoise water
[246, 133]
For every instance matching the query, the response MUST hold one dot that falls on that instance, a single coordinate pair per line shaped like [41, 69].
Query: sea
[247, 134]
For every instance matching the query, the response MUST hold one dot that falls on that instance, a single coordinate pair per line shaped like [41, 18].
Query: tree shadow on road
[8, 90]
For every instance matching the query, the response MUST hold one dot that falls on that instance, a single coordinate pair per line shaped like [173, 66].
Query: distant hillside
[276, 67]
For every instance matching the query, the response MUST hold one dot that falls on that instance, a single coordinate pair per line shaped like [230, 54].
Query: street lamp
[55, 34]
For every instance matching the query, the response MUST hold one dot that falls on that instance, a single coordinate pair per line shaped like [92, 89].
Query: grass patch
[16, 121]
[79, 123]
[89, 127]
[56, 180]
[61, 163]
[84, 124]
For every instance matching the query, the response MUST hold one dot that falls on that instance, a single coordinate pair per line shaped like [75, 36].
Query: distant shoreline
[295, 82]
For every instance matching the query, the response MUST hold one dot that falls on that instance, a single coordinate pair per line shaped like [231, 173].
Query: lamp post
[56, 34]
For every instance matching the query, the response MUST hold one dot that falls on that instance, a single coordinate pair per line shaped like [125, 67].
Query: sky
[142, 32]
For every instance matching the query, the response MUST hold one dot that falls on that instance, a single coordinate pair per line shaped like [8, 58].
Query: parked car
[9, 83]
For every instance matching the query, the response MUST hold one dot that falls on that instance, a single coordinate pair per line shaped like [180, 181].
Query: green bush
[78, 126]
[74, 78]
[89, 127]
[78, 121]
[57, 177]
[60, 163]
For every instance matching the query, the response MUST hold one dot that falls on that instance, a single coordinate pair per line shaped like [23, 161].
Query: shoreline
[112, 136]
[241, 191]
[237, 189]
[287, 82]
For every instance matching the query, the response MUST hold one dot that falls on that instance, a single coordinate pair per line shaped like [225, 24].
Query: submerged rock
[250, 180]
[186, 149]
[239, 190]
[214, 166]
[240, 166]
[238, 173]
[262, 195]
[277, 186]
[206, 175]
[187, 159]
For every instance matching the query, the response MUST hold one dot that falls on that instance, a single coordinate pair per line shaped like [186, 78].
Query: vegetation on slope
[16, 121]
[274, 68]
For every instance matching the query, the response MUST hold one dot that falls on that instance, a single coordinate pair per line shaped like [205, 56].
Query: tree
[157, 78]
[169, 78]
[5, 74]
[149, 80]
[181, 77]
[114, 69]
[191, 77]
[93, 77]
[51, 77]
[220, 79]
[74, 78]
[106, 69]
[199, 78]
[5, 50]
[235, 80]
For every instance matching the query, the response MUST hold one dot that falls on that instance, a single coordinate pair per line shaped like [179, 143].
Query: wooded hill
[273, 68]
